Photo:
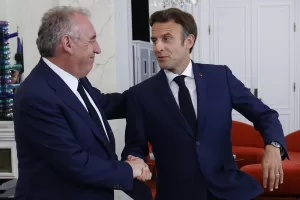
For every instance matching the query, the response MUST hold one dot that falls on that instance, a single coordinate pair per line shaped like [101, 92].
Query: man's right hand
[140, 168]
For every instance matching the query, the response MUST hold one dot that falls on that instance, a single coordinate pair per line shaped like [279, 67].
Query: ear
[189, 41]
[67, 44]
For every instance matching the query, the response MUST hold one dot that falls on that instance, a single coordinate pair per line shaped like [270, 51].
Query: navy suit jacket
[183, 158]
[62, 153]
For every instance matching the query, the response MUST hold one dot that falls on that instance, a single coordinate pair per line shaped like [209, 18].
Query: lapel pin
[200, 74]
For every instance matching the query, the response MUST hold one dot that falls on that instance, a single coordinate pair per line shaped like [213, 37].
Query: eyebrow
[167, 34]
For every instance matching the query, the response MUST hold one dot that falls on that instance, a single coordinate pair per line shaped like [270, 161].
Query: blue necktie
[185, 103]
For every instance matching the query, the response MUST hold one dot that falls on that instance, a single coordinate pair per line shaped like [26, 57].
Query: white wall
[23, 14]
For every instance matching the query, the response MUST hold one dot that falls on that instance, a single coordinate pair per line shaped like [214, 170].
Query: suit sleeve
[112, 104]
[264, 119]
[135, 139]
[51, 136]
[136, 143]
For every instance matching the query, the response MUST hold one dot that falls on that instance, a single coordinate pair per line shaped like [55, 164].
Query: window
[5, 161]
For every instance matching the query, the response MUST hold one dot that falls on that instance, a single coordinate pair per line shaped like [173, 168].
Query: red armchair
[151, 163]
[247, 144]
[290, 189]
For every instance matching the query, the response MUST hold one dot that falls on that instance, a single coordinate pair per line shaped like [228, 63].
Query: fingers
[136, 166]
[149, 174]
[281, 175]
[265, 172]
[140, 169]
[146, 174]
[272, 168]
[272, 177]
[130, 157]
[277, 178]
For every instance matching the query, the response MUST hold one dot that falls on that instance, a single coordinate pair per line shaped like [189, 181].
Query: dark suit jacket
[62, 153]
[189, 165]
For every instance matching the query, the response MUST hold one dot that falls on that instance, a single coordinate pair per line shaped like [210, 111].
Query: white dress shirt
[189, 82]
[72, 83]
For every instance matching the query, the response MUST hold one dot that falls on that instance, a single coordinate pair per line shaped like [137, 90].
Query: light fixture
[172, 3]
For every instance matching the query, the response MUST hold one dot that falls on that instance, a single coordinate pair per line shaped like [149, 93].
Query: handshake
[140, 169]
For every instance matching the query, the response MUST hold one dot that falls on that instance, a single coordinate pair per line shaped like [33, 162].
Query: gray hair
[56, 23]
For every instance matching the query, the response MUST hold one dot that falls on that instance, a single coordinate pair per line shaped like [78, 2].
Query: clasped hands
[140, 169]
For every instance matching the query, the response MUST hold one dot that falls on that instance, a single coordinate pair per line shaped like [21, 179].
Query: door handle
[256, 93]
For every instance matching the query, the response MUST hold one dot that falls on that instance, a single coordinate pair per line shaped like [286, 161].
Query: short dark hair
[185, 19]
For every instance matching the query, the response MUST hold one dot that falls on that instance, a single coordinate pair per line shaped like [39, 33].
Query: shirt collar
[188, 72]
[69, 79]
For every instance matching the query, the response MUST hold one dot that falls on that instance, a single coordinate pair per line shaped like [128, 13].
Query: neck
[61, 63]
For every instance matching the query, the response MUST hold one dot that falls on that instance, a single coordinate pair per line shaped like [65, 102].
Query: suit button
[197, 143]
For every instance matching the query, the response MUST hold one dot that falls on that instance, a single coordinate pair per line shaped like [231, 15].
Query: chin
[84, 73]
[162, 66]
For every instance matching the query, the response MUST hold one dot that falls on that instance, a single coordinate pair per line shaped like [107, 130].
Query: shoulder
[145, 85]
[210, 67]
[34, 90]
[213, 70]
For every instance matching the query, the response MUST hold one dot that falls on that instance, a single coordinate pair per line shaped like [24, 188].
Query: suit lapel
[70, 99]
[199, 76]
[163, 91]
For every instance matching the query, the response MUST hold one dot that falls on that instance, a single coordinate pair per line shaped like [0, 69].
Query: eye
[167, 38]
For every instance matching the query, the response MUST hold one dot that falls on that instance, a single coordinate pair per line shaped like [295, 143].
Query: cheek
[91, 48]
[174, 50]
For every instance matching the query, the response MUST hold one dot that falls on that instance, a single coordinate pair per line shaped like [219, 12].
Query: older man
[66, 148]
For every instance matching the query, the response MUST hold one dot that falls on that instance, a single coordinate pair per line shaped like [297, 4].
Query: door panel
[231, 40]
[255, 39]
[273, 56]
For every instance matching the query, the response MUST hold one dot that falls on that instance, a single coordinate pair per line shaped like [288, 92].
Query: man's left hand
[272, 167]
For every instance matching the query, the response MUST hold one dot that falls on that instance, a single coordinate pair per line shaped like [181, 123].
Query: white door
[256, 40]
[231, 40]
[273, 51]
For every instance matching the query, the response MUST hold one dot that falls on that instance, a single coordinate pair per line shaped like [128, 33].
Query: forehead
[86, 27]
[162, 28]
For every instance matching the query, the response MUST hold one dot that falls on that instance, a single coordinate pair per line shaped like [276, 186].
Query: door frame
[123, 41]
[297, 65]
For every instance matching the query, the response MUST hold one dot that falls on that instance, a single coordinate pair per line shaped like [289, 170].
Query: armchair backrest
[293, 141]
[245, 135]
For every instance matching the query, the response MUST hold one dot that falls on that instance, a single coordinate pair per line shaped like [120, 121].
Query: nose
[97, 49]
[158, 47]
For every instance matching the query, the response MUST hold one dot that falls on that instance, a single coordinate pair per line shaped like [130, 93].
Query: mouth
[162, 57]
